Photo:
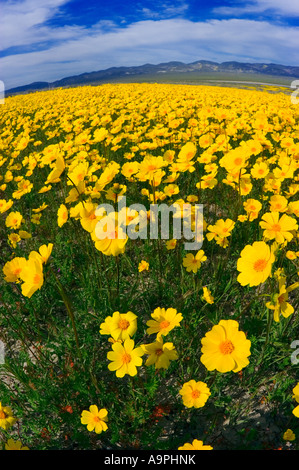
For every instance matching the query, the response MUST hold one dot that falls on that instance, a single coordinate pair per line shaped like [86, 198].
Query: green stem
[104, 269]
[117, 259]
[269, 323]
[70, 312]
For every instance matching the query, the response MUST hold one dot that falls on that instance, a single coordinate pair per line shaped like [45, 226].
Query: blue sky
[45, 40]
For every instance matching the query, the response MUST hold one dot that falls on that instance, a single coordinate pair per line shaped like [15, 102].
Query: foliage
[63, 153]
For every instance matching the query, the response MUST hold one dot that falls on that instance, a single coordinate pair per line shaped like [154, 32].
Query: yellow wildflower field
[149, 268]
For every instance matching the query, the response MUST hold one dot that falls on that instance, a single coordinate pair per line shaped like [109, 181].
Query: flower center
[238, 161]
[226, 347]
[2, 414]
[276, 228]
[164, 324]
[159, 352]
[260, 265]
[195, 393]
[151, 168]
[112, 235]
[96, 419]
[123, 324]
[281, 299]
[36, 279]
[126, 358]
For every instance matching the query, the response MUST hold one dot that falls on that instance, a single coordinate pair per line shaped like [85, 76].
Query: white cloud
[23, 22]
[149, 41]
[174, 10]
[165, 10]
[284, 8]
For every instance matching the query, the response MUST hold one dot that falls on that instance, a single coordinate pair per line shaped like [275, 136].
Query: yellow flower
[44, 253]
[14, 220]
[57, 170]
[100, 134]
[122, 325]
[62, 215]
[6, 417]
[128, 216]
[75, 193]
[143, 266]
[207, 295]
[278, 203]
[14, 239]
[163, 321]
[277, 228]
[279, 303]
[296, 397]
[5, 205]
[109, 237]
[171, 244]
[289, 435]
[160, 354]
[24, 187]
[107, 176]
[40, 208]
[45, 189]
[24, 235]
[105, 328]
[234, 160]
[95, 419]
[293, 208]
[252, 207]
[220, 231]
[193, 263]
[129, 169]
[12, 269]
[291, 255]
[187, 152]
[125, 358]
[259, 170]
[76, 176]
[11, 444]
[32, 275]
[194, 394]
[88, 218]
[115, 192]
[150, 169]
[225, 348]
[255, 264]
[171, 189]
[35, 219]
[196, 445]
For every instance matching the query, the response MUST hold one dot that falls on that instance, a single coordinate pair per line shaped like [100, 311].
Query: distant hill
[198, 68]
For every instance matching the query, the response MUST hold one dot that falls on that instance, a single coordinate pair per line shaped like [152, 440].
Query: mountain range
[200, 68]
